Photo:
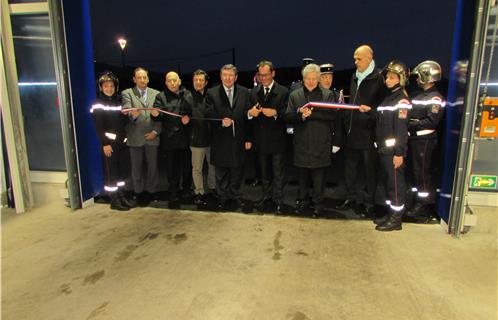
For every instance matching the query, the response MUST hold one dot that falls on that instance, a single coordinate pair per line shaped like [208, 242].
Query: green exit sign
[487, 182]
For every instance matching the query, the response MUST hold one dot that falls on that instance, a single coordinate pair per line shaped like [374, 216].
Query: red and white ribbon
[177, 115]
[331, 105]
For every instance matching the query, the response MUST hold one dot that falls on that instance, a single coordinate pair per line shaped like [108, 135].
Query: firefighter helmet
[400, 69]
[108, 76]
[428, 72]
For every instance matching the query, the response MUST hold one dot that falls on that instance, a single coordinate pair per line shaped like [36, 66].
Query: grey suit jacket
[136, 128]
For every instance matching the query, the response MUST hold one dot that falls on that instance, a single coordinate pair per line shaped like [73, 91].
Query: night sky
[161, 33]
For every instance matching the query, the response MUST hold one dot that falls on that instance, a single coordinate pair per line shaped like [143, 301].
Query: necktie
[267, 90]
[230, 96]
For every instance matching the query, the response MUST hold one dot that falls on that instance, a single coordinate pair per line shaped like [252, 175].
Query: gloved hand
[335, 149]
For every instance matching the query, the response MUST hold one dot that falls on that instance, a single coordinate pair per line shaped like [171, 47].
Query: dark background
[184, 36]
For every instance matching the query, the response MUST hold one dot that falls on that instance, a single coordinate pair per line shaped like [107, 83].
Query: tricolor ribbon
[179, 115]
[331, 105]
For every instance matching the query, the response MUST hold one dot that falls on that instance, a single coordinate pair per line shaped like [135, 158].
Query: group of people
[378, 130]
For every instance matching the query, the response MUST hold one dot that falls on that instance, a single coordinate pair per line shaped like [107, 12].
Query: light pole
[122, 44]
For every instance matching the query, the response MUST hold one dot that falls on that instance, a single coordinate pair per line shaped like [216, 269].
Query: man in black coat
[313, 137]
[175, 134]
[200, 138]
[269, 100]
[230, 102]
[367, 90]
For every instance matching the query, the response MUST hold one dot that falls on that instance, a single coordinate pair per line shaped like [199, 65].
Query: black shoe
[256, 183]
[317, 212]
[243, 204]
[199, 199]
[301, 206]
[345, 205]
[278, 206]
[222, 205]
[415, 211]
[392, 224]
[279, 209]
[361, 210]
[132, 202]
[116, 204]
[129, 202]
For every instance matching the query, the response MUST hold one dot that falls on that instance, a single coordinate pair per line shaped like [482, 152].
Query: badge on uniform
[403, 113]
[435, 108]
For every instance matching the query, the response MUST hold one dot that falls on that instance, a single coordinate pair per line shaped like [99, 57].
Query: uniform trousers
[420, 151]
[392, 181]
[116, 167]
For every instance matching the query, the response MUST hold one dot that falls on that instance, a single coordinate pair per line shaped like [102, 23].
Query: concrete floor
[160, 264]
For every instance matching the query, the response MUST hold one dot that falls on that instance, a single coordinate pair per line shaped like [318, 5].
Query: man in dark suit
[230, 102]
[142, 134]
[269, 100]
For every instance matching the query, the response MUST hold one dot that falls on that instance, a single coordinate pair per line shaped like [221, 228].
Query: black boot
[381, 215]
[116, 203]
[393, 223]
[414, 211]
[130, 203]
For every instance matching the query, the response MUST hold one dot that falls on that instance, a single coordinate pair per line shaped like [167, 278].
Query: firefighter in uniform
[326, 79]
[299, 83]
[391, 135]
[427, 112]
[110, 126]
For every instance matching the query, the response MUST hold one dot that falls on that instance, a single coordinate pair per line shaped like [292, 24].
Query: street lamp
[122, 44]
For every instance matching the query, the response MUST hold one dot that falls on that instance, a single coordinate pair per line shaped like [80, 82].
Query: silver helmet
[400, 69]
[108, 76]
[428, 72]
